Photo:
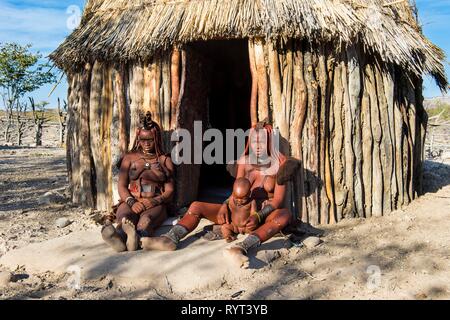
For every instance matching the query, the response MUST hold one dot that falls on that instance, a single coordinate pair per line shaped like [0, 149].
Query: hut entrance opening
[227, 72]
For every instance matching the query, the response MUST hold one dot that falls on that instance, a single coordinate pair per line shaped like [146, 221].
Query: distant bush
[50, 114]
[441, 107]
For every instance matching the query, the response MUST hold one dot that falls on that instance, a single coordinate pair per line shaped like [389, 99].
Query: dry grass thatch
[122, 30]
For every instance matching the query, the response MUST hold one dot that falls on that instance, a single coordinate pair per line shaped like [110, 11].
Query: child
[241, 207]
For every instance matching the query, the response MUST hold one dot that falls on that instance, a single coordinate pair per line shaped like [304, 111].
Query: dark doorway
[227, 68]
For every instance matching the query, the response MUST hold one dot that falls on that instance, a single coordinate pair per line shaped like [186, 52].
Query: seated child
[241, 207]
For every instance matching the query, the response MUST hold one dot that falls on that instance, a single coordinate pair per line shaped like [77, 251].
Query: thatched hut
[341, 79]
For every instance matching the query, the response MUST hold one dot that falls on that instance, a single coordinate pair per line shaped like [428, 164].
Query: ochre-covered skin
[241, 206]
[264, 191]
[146, 175]
[145, 182]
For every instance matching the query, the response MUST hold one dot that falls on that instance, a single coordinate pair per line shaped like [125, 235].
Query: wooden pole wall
[104, 104]
[357, 125]
[353, 123]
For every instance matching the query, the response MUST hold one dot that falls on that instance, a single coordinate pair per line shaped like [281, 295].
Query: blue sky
[44, 24]
[434, 16]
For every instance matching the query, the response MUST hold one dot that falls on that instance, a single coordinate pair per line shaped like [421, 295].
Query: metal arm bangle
[264, 212]
[130, 201]
[257, 214]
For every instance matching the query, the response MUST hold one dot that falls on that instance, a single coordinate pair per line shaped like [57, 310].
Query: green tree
[20, 73]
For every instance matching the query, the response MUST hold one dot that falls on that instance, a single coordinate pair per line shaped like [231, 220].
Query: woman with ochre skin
[145, 186]
[259, 164]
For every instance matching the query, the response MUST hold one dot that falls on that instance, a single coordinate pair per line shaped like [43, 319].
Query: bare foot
[132, 237]
[237, 257]
[112, 238]
[212, 236]
[158, 243]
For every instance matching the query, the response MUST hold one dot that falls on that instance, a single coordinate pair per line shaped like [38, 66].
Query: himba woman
[146, 187]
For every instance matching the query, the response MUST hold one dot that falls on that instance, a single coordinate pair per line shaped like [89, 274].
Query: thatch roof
[122, 30]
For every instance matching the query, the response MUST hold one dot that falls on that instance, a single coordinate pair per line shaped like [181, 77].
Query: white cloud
[43, 27]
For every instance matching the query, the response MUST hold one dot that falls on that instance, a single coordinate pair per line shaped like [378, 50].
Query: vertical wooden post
[328, 119]
[70, 128]
[175, 82]
[386, 144]
[254, 75]
[107, 111]
[349, 156]
[148, 70]
[341, 192]
[297, 126]
[87, 198]
[120, 98]
[165, 101]
[136, 97]
[155, 84]
[378, 175]
[275, 81]
[312, 163]
[354, 87]
[74, 106]
[165, 93]
[322, 77]
[100, 119]
[367, 143]
[263, 87]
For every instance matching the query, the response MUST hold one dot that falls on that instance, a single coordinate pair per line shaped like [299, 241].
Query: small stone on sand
[268, 256]
[312, 242]
[62, 222]
[52, 197]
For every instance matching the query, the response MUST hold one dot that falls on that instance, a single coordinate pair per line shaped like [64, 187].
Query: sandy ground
[25, 175]
[404, 255]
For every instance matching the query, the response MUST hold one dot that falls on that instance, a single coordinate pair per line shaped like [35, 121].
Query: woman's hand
[252, 222]
[148, 204]
[222, 215]
[138, 208]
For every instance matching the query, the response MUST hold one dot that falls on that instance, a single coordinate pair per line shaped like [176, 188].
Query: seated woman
[145, 186]
[260, 164]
